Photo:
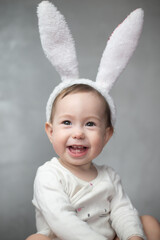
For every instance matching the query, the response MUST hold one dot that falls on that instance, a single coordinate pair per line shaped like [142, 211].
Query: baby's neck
[85, 173]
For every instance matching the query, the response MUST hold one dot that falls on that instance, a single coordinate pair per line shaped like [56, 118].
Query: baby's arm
[124, 217]
[53, 203]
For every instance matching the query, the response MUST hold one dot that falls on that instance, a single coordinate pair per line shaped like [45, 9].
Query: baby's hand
[136, 238]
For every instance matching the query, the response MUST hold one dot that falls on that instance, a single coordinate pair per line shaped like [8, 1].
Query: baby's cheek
[57, 144]
[98, 144]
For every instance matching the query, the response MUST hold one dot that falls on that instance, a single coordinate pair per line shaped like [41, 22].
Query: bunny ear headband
[58, 45]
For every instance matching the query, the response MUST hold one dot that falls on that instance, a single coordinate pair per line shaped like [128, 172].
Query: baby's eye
[66, 122]
[90, 124]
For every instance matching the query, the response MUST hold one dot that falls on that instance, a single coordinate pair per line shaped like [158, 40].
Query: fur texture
[57, 41]
[119, 49]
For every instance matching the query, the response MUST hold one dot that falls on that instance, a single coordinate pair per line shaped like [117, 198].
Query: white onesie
[76, 210]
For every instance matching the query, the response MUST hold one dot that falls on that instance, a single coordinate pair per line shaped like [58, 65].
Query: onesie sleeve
[124, 217]
[53, 203]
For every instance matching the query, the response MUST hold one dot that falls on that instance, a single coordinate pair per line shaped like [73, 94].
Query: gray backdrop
[27, 79]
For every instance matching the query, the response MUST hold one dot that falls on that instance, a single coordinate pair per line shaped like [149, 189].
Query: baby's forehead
[78, 110]
[81, 103]
[85, 95]
[73, 97]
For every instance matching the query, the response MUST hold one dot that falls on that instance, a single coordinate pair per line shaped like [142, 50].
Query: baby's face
[78, 132]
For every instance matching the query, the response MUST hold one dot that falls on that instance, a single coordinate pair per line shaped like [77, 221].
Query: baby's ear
[108, 134]
[49, 130]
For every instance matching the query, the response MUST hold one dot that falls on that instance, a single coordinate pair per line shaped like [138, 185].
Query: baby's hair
[76, 88]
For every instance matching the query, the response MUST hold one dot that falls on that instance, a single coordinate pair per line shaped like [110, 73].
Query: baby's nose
[78, 133]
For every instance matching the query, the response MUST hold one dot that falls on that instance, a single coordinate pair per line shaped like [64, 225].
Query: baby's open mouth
[77, 148]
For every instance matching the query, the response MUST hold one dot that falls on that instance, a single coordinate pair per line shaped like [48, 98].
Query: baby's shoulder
[50, 170]
[104, 169]
[50, 165]
[107, 171]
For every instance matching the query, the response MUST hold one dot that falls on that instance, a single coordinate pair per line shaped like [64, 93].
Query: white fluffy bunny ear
[57, 41]
[119, 49]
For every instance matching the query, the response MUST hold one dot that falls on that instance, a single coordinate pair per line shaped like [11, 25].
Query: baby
[75, 198]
